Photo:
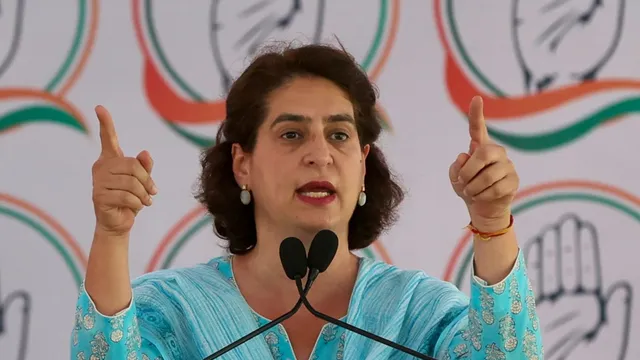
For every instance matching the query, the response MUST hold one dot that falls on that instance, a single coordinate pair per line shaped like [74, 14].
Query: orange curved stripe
[437, 13]
[66, 236]
[554, 185]
[171, 236]
[24, 93]
[175, 108]
[162, 97]
[391, 39]
[461, 89]
[84, 57]
[137, 24]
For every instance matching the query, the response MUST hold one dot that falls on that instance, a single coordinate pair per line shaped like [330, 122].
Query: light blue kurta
[190, 313]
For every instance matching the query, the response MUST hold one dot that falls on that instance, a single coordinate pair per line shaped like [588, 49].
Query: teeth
[315, 194]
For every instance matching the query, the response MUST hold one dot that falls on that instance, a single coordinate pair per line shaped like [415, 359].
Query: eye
[339, 136]
[291, 135]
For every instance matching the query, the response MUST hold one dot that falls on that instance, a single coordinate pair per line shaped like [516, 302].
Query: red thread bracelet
[485, 236]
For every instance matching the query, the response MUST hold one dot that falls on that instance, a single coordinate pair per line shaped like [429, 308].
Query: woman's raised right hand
[122, 186]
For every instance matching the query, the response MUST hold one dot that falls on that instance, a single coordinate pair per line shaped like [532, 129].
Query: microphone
[321, 253]
[293, 256]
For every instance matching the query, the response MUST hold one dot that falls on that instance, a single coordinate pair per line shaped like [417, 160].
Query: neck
[262, 265]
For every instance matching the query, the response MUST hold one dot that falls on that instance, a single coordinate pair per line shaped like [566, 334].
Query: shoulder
[181, 281]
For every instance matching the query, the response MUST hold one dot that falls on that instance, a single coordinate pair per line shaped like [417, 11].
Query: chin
[316, 222]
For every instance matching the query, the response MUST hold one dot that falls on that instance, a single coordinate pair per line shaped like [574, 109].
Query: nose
[318, 152]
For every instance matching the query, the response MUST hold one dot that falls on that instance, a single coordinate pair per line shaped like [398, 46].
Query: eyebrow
[287, 117]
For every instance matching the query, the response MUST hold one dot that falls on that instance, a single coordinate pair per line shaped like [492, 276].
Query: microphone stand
[262, 328]
[303, 298]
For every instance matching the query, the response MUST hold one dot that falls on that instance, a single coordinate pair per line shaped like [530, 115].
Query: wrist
[102, 235]
[489, 225]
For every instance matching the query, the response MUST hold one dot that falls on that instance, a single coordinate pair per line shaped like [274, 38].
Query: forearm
[96, 336]
[502, 322]
[107, 280]
[494, 258]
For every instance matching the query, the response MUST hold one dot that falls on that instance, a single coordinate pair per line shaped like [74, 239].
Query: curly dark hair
[246, 110]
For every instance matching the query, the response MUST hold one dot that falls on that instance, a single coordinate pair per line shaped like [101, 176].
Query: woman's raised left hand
[485, 178]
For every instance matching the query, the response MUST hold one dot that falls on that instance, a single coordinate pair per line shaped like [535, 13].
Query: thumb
[145, 159]
[454, 169]
[618, 317]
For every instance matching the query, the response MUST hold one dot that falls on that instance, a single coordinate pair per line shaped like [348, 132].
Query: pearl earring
[362, 197]
[245, 195]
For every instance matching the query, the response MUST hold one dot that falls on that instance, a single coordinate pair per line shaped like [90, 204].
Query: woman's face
[307, 168]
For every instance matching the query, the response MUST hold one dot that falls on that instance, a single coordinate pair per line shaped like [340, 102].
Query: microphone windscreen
[293, 257]
[323, 249]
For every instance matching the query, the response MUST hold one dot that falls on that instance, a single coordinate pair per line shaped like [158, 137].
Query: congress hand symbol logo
[563, 262]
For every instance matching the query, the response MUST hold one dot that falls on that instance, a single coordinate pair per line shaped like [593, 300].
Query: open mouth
[317, 190]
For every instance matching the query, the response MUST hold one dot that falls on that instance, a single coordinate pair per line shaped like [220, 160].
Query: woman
[297, 154]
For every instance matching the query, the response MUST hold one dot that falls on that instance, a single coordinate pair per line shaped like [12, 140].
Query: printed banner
[560, 82]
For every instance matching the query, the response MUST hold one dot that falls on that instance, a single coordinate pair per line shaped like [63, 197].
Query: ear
[365, 153]
[241, 164]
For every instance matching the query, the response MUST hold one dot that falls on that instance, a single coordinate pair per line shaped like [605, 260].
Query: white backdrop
[560, 83]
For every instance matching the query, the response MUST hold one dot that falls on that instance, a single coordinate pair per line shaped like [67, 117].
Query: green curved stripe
[47, 236]
[464, 268]
[38, 114]
[556, 138]
[153, 36]
[75, 46]
[464, 55]
[377, 39]
[182, 240]
[198, 140]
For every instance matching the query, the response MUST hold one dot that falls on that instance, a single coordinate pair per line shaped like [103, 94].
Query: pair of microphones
[296, 264]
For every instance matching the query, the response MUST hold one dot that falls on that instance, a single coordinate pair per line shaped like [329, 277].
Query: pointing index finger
[477, 125]
[108, 135]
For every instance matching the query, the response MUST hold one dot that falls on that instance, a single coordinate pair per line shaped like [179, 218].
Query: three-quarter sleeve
[97, 336]
[501, 323]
